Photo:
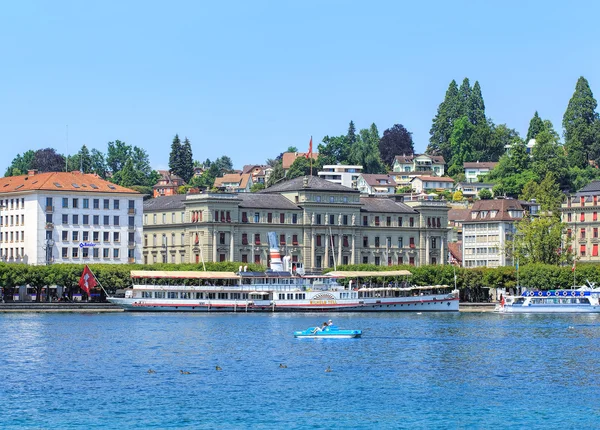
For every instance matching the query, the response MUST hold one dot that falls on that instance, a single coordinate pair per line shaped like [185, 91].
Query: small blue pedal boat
[330, 332]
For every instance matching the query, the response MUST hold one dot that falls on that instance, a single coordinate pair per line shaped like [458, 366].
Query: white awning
[359, 274]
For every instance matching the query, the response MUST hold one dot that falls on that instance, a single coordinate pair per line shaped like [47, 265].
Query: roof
[359, 274]
[248, 168]
[240, 179]
[262, 201]
[168, 176]
[384, 204]
[288, 158]
[455, 249]
[502, 206]
[406, 159]
[61, 181]
[373, 178]
[458, 214]
[314, 183]
[480, 165]
[591, 187]
[165, 203]
[434, 178]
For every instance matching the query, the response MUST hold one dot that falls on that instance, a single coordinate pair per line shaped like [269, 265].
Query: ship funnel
[276, 264]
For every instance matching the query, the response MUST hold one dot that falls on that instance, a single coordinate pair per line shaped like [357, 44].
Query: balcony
[131, 211]
[49, 226]
[412, 246]
[131, 228]
[131, 244]
[49, 208]
[131, 260]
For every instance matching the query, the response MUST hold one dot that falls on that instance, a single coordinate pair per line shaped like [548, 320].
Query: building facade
[341, 174]
[375, 184]
[318, 223]
[486, 231]
[580, 214]
[434, 164]
[476, 169]
[61, 217]
[168, 184]
[422, 184]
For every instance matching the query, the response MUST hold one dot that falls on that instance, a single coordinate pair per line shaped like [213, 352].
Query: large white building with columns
[317, 222]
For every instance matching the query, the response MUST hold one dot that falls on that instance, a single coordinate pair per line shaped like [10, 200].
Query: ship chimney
[276, 264]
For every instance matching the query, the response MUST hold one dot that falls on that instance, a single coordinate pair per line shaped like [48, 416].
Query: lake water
[467, 370]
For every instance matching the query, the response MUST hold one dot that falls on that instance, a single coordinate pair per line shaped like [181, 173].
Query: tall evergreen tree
[536, 126]
[351, 135]
[464, 95]
[475, 106]
[175, 155]
[117, 155]
[441, 127]
[580, 122]
[186, 161]
[548, 156]
[460, 145]
[365, 152]
[395, 141]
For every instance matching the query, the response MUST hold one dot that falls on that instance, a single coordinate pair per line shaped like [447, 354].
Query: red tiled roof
[455, 249]
[372, 180]
[288, 158]
[60, 181]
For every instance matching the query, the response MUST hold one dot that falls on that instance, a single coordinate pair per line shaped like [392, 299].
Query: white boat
[284, 288]
[581, 300]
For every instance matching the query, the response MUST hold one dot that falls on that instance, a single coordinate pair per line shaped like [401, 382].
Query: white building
[434, 164]
[431, 183]
[341, 174]
[375, 184]
[61, 217]
[472, 189]
[476, 169]
[490, 224]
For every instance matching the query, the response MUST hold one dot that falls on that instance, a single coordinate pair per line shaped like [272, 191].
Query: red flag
[309, 153]
[87, 280]
[573, 268]
[502, 301]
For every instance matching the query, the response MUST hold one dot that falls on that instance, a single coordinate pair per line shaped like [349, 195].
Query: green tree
[476, 106]
[485, 194]
[186, 161]
[277, 174]
[547, 193]
[257, 187]
[175, 155]
[548, 156]
[365, 151]
[536, 126]
[20, 164]
[539, 240]
[351, 135]
[98, 163]
[395, 141]
[580, 122]
[117, 154]
[457, 196]
[443, 123]
[300, 167]
[81, 161]
[464, 95]
[333, 150]
[460, 145]
[127, 176]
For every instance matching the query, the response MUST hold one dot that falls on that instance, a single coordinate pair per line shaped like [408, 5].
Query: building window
[257, 238]
[244, 258]
[319, 261]
[96, 203]
[222, 239]
[569, 217]
[345, 219]
[106, 236]
[318, 237]
[365, 221]
[75, 252]
[377, 261]
[75, 219]
[75, 203]
[85, 252]
[377, 221]
[85, 236]
[65, 235]
[345, 241]
[96, 219]
[116, 250]
[400, 245]
[256, 258]
[86, 219]
[595, 232]
[294, 218]
[331, 219]
[595, 250]
[411, 261]
[244, 217]
[388, 221]
[256, 216]
[269, 217]
[244, 238]
[295, 239]
[400, 260]
[582, 217]
[282, 239]
[105, 253]
[221, 257]
[106, 220]
[65, 202]
[365, 260]
[365, 241]
[433, 243]
[65, 253]
[595, 216]
[75, 236]
[116, 220]
[411, 242]
[106, 204]
[65, 219]
[319, 219]
[96, 237]
[583, 233]
[282, 218]
[376, 241]
[411, 222]
[582, 250]
[86, 203]
[115, 204]
[116, 236]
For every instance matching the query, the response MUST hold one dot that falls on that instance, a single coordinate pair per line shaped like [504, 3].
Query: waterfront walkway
[109, 307]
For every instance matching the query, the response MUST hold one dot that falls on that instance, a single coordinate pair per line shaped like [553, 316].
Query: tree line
[472, 281]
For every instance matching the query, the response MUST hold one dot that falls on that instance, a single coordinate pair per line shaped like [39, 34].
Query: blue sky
[247, 79]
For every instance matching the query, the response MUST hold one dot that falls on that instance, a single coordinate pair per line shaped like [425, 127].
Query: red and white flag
[87, 280]
[574, 264]
[309, 153]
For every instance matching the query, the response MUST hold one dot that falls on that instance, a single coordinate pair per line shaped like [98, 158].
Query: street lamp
[49, 246]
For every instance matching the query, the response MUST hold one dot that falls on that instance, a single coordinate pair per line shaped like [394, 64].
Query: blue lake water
[467, 370]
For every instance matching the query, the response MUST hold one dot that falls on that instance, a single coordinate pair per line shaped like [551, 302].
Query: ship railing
[217, 288]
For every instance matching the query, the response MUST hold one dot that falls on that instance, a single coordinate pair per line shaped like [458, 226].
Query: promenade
[109, 307]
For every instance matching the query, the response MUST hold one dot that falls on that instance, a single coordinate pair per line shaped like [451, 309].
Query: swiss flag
[87, 280]
[309, 153]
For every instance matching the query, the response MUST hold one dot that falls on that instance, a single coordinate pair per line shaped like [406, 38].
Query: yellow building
[319, 223]
[580, 214]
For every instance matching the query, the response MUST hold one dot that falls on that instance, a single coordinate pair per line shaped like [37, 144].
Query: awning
[365, 274]
[162, 274]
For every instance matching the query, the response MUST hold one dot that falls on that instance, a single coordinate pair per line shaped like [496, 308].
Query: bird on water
[217, 367]
[328, 369]
[151, 371]
[184, 372]
[283, 366]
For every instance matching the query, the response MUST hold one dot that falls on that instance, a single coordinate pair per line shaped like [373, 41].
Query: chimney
[32, 172]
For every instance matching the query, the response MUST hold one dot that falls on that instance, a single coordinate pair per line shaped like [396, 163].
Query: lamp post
[49, 246]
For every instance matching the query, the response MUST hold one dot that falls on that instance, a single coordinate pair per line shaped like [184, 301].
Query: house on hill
[234, 182]
[474, 170]
[375, 184]
[167, 184]
[420, 163]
